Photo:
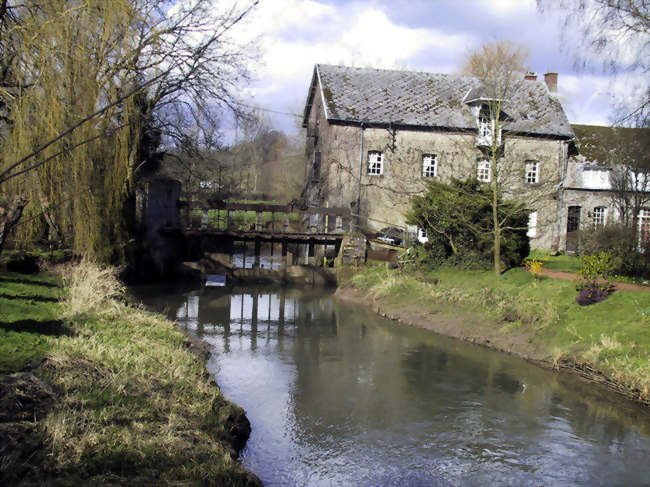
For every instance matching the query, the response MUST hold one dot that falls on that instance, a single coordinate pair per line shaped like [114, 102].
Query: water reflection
[337, 396]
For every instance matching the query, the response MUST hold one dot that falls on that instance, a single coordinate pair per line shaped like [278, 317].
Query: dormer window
[486, 130]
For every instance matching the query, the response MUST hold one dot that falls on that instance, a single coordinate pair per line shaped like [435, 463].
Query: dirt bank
[450, 319]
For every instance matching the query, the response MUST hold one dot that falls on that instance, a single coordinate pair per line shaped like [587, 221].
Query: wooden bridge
[272, 224]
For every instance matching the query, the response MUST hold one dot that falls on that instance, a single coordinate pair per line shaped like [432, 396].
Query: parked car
[391, 235]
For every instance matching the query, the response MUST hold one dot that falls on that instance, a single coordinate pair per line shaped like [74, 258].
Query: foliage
[534, 266]
[620, 242]
[595, 274]
[89, 89]
[458, 220]
[597, 270]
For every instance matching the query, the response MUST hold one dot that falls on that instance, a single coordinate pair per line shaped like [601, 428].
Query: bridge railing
[248, 217]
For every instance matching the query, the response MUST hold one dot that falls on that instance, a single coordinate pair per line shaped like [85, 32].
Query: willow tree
[86, 74]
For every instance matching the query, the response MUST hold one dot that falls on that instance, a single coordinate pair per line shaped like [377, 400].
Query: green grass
[613, 335]
[29, 318]
[562, 262]
[134, 405]
[573, 264]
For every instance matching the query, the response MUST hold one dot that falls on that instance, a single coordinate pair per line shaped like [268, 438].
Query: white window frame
[429, 165]
[375, 163]
[599, 216]
[485, 127]
[532, 224]
[532, 172]
[487, 130]
[483, 170]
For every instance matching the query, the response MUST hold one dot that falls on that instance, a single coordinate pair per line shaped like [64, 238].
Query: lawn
[561, 262]
[29, 317]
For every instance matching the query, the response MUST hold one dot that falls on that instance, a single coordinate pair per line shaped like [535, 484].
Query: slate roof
[418, 99]
[601, 144]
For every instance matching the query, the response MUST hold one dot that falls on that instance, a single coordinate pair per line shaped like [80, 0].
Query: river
[338, 396]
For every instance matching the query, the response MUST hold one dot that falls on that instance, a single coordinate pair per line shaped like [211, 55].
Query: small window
[483, 171]
[375, 163]
[598, 216]
[532, 172]
[532, 224]
[422, 235]
[429, 166]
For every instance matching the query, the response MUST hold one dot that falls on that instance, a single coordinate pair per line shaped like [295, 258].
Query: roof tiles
[378, 96]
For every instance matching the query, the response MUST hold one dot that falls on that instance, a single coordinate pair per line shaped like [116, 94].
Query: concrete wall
[386, 198]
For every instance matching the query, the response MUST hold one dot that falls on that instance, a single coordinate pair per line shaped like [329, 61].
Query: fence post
[260, 222]
[339, 224]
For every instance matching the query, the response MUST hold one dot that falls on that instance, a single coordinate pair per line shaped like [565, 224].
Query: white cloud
[365, 38]
[507, 7]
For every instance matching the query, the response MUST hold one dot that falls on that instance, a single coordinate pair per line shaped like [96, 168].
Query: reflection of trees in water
[354, 373]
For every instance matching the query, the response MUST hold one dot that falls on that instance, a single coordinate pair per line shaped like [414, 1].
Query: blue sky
[419, 35]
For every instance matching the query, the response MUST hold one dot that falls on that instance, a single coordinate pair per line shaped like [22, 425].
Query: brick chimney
[530, 76]
[551, 81]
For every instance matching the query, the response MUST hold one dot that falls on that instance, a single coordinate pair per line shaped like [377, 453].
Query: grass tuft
[134, 402]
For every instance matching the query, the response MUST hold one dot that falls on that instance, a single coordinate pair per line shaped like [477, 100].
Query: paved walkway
[567, 276]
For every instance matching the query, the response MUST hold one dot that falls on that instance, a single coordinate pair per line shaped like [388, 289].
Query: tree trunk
[9, 216]
[495, 219]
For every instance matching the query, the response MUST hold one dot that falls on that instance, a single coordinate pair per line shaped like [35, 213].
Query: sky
[419, 35]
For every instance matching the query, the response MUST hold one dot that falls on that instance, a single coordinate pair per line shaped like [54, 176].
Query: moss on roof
[607, 145]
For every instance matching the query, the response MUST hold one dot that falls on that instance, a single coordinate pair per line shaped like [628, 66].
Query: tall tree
[500, 67]
[84, 79]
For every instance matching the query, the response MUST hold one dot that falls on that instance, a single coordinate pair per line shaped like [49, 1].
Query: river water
[338, 396]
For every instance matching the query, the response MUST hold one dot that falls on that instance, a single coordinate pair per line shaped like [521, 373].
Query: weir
[173, 233]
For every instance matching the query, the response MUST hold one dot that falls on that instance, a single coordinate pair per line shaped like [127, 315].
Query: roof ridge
[393, 70]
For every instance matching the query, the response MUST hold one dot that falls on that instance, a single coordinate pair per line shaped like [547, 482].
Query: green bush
[620, 242]
[458, 221]
[596, 271]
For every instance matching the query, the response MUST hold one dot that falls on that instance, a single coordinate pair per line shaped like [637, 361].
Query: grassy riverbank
[106, 394]
[538, 319]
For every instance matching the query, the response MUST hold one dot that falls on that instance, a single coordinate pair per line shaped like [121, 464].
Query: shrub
[620, 242]
[458, 221]
[534, 266]
[596, 271]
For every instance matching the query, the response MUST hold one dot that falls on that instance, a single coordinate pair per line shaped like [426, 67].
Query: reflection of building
[374, 137]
